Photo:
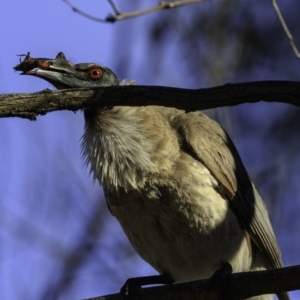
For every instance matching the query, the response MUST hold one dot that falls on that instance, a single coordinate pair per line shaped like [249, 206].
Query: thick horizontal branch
[233, 286]
[32, 104]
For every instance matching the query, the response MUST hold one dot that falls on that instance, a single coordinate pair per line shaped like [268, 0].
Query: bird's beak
[63, 74]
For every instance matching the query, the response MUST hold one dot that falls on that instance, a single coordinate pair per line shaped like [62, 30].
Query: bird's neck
[118, 146]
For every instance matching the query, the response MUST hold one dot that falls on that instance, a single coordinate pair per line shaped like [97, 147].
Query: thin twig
[84, 14]
[161, 6]
[118, 16]
[285, 28]
[114, 7]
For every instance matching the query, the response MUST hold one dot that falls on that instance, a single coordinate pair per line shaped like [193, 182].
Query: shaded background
[57, 238]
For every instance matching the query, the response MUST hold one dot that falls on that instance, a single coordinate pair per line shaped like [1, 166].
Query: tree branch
[123, 16]
[236, 286]
[285, 28]
[30, 105]
[118, 15]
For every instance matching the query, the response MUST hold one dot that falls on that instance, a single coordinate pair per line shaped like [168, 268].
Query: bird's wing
[209, 143]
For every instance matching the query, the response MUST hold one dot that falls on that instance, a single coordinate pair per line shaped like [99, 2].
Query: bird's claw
[221, 273]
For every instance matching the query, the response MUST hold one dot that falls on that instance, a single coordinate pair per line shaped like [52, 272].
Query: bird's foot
[132, 287]
[220, 275]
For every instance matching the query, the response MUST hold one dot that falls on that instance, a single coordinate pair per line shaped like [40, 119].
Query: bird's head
[63, 74]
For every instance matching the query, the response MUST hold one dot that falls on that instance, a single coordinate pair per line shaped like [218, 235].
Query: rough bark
[30, 105]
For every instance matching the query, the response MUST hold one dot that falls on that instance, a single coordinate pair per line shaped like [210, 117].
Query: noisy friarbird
[174, 180]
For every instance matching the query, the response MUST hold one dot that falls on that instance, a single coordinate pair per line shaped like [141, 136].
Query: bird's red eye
[95, 73]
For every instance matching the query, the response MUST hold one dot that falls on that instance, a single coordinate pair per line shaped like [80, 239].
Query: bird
[174, 181]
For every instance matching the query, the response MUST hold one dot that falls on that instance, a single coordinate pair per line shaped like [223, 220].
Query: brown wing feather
[213, 147]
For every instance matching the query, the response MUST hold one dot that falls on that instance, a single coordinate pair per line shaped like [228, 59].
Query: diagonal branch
[118, 15]
[236, 286]
[84, 14]
[285, 28]
[32, 104]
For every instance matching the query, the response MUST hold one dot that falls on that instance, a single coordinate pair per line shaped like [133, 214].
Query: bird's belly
[186, 234]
